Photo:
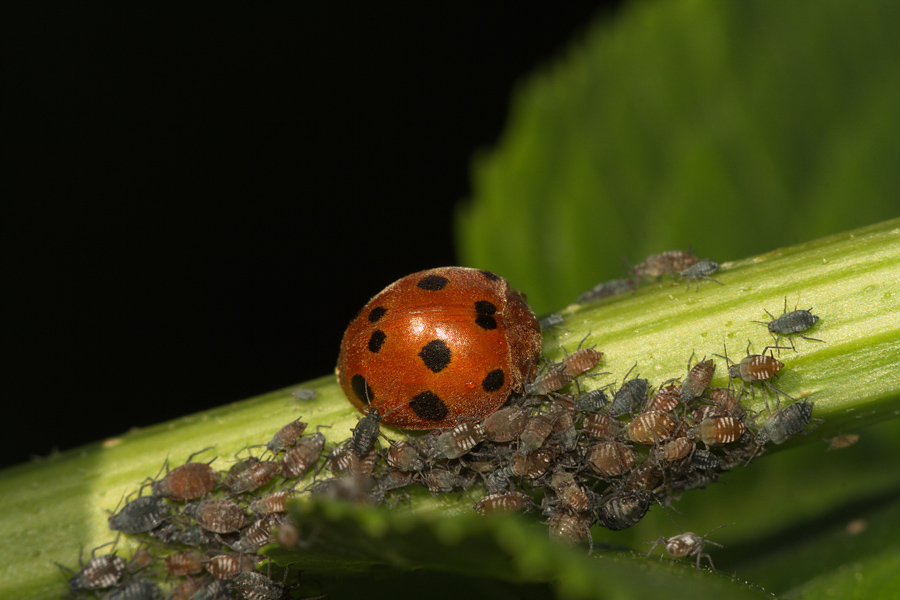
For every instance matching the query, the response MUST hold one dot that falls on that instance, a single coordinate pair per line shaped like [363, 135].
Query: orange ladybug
[438, 346]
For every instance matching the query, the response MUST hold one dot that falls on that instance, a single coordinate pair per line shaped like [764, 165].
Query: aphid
[610, 458]
[140, 515]
[502, 503]
[256, 586]
[286, 437]
[142, 559]
[624, 509]
[564, 428]
[718, 430]
[785, 423]
[457, 441]
[276, 502]
[535, 464]
[100, 572]
[498, 481]
[842, 441]
[755, 368]
[600, 425]
[303, 394]
[631, 395]
[218, 516]
[255, 474]
[134, 589]
[592, 401]
[646, 476]
[665, 263]
[439, 480]
[613, 287]
[218, 589]
[394, 479]
[704, 460]
[186, 589]
[688, 544]
[187, 482]
[505, 425]
[184, 563]
[700, 270]
[650, 427]
[674, 449]
[570, 528]
[581, 361]
[195, 536]
[404, 457]
[571, 495]
[697, 379]
[225, 566]
[790, 324]
[665, 399]
[366, 432]
[551, 320]
[725, 402]
[551, 381]
[298, 459]
[363, 467]
[536, 432]
[258, 533]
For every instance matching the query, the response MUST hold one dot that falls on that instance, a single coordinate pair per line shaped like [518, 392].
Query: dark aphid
[714, 431]
[506, 424]
[256, 586]
[551, 381]
[697, 379]
[624, 510]
[276, 502]
[366, 432]
[600, 425]
[701, 270]
[571, 495]
[842, 441]
[551, 320]
[502, 503]
[785, 423]
[303, 394]
[536, 432]
[535, 464]
[134, 589]
[184, 563]
[100, 572]
[610, 458]
[298, 459]
[187, 482]
[581, 361]
[225, 566]
[665, 399]
[394, 479]
[570, 528]
[650, 427]
[286, 437]
[457, 441]
[674, 449]
[404, 456]
[218, 516]
[606, 289]
[564, 428]
[140, 515]
[219, 589]
[592, 402]
[704, 460]
[630, 396]
[439, 480]
[498, 481]
[255, 474]
[194, 536]
[665, 263]
[688, 544]
[258, 533]
[790, 324]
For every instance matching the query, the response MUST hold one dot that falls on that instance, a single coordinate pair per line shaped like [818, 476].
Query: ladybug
[438, 346]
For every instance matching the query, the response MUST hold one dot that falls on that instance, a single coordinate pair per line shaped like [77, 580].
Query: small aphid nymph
[688, 544]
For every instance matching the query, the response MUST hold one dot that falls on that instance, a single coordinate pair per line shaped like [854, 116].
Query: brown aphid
[726, 402]
[187, 482]
[502, 503]
[340, 458]
[564, 428]
[581, 361]
[646, 476]
[218, 516]
[665, 399]
[186, 589]
[551, 381]
[288, 535]
[536, 432]
[184, 563]
[688, 544]
[570, 494]
[225, 566]
[535, 464]
[440, 480]
[610, 458]
[457, 441]
[755, 368]
[675, 449]
[303, 455]
[697, 379]
[142, 559]
[650, 427]
[252, 475]
[505, 425]
[714, 431]
[665, 263]
[365, 466]
[286, 437]
[276, 502]
[842, 441]
[404, 456]
[570, 528]
[600, 425]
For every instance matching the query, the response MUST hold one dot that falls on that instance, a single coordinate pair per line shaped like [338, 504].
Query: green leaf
[732, 127]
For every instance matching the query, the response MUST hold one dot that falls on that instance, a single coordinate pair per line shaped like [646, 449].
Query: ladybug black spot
[433, 283]
[361, 389]
[376, 340]
[436, 355]
[491, 276]
[486, 322]
[429, 406]
[376, 313]
[493, 381]
[483, 307]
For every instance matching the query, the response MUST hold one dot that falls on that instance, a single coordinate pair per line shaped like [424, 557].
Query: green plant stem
[53, 507]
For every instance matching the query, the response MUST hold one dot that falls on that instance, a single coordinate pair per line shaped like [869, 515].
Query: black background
[198, 203]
